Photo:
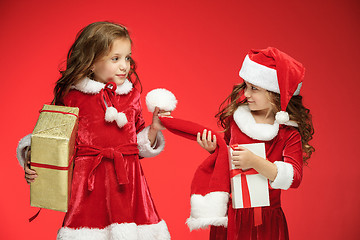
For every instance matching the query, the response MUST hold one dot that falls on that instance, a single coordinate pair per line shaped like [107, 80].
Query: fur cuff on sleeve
[21, 150]
[284, 177]
[210, 209]
[145, 150]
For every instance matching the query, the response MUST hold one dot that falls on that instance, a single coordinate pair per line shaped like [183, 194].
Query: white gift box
[249, 189]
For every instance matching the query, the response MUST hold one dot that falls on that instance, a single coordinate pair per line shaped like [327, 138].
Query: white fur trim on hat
[123, 231]
[210, 209]
[90, 86]
[261, 76]
[282, 117]
[161, 98]
[145, 150]
[284, 177]
[22, 149]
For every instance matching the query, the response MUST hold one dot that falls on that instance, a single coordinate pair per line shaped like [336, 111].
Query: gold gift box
[52, 146]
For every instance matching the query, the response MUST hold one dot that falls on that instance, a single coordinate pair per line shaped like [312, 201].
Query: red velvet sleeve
[139, 119]
[293, 155]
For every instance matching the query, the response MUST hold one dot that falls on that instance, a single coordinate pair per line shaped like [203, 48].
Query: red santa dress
[283, 147]
[110, 198]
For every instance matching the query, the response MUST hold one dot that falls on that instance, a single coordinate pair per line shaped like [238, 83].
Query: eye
[128, 58]
[253, 88]
[114, 59]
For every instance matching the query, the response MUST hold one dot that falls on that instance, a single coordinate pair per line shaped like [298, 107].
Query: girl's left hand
[156, 123]
[243, 158]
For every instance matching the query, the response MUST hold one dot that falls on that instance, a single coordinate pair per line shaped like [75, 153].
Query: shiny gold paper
[52, 144]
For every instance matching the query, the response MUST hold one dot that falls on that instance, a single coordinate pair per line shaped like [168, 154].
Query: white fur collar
[90, 86]
[259, 131]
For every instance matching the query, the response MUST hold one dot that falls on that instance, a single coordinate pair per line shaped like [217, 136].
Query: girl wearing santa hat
[266, 108]
[110, 197]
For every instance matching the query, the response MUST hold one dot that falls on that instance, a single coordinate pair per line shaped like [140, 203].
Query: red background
[195, 49]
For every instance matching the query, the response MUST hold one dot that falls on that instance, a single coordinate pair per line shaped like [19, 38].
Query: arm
[23, 154]
[150, 139]
[283, 174]
[245, 159]
[289, 171]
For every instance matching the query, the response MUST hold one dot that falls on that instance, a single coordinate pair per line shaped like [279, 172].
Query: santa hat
[275, 71]
[211, 182]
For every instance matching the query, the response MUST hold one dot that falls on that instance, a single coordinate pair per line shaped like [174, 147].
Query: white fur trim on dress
[123, 231]
[161, 98]
[210, 209]
[247, 124]
[22, 149]
[284, 177]
[261, 76]
[145, 150]
[90, 86]
[259, 131]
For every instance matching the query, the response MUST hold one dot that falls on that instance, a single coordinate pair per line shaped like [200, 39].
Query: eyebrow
[118, 54]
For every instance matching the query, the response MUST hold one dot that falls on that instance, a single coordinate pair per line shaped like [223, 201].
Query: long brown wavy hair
[297, 112]
[91, 44]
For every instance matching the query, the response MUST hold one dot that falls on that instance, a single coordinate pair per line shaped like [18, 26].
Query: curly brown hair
[297, 112]
[91, 44]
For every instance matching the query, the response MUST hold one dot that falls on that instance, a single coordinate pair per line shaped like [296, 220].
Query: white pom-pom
[121, 119]
[282, 117]
[161, 98]
[111, 114]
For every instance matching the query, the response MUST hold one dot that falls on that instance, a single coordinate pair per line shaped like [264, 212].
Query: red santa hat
[210, 186]
[211, 183]
[275, 71]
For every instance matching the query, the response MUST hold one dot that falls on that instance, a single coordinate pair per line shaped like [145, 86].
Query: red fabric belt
[116, 154]
[246, 193]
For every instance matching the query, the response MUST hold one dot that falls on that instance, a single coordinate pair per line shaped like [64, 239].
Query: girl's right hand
[207, 141]
[30, 174]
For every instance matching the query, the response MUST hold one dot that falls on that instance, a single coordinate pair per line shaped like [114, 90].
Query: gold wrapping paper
[52, 146]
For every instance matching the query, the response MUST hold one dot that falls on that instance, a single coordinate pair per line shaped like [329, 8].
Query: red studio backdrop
[194, 49]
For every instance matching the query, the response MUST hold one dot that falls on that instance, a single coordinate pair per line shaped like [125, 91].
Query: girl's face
[115, 66]
[257, 98]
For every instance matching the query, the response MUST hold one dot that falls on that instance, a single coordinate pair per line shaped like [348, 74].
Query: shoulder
[289, 133]
[73, 97]
[134, 95]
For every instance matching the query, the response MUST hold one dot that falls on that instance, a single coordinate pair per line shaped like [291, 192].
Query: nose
[247, 93]
[122, 65]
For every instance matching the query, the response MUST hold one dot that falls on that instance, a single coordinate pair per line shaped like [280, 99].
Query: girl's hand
[156, 123]
[207, 141]
[243, 158]
[30, 174]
